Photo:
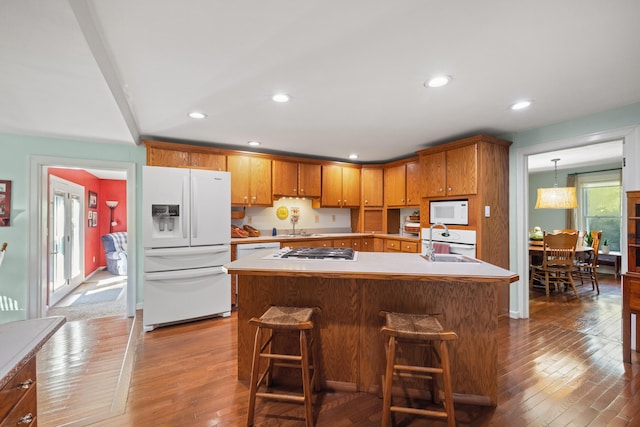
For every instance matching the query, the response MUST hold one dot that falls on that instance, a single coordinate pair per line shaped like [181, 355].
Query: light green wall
[15, 156]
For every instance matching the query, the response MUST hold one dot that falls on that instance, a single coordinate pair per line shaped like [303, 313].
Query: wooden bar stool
[423, 330]
[279, 319]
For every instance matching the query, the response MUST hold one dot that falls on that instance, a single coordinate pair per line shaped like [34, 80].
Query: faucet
[430, 252]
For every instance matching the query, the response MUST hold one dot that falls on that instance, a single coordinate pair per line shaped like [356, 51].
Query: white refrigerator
[186, 220]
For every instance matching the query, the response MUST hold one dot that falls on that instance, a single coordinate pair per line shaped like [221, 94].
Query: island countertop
[21, 340]
[373, 265]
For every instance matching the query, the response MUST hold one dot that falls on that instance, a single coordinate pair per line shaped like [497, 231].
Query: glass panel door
[66, 267]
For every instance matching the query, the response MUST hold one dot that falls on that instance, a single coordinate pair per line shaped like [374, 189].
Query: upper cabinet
[452, 172]
[250, 180]
[182, 156]
[340, 186]
[402, 184]
[295, 179]
[372, 178]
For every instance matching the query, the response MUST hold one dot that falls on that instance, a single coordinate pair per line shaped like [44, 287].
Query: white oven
[461, 242]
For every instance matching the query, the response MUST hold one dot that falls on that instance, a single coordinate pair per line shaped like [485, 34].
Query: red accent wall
[106, 189]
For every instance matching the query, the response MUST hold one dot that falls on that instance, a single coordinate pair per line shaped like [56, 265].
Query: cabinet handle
[449, 188]
[440, 190]
[254, 198]
[401, 200]
[295, 191]
[344, 202]
[366, 202]
[26, 419]
[26, 384]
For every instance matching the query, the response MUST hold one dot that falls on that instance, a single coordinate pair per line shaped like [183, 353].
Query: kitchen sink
[452, 258]
[301, 235]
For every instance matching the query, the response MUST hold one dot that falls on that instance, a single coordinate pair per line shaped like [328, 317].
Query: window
[600, 204]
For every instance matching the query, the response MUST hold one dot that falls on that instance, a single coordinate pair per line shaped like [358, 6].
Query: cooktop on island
[337, 254]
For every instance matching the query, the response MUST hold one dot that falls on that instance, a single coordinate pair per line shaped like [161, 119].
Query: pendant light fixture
[556, 197]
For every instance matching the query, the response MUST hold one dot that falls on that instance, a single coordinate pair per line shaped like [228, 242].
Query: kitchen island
[350, 295]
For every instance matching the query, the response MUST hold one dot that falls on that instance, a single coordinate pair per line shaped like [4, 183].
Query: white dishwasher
[246, 249]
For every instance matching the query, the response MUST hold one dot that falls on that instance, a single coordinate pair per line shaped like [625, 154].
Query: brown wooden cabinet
[340, 186]
[177, 156]
[452, 172]
[250, 180]
[393, 245]
[631, 280]
[372, 186]
[402, 184]
[18, 405]
[294, 179]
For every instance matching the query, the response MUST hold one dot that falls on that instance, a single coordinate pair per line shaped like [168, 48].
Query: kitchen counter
[21, 340]
[350, 295]
[320, 236]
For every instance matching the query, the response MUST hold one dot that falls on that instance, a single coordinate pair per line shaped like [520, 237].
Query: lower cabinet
[18, 400]
[392, 245]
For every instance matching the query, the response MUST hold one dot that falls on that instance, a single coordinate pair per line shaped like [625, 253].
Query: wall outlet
[249, 219]
[316, 218]
[487, 211]
[333, 218]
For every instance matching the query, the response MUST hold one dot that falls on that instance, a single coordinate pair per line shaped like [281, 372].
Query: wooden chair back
[559, 249]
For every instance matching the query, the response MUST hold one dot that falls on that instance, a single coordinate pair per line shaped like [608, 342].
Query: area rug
[94, 297]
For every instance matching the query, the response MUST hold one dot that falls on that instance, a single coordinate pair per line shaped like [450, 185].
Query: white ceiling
[571, 158]
[112, 71]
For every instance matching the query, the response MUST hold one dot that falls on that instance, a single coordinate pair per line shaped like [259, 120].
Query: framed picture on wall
[93, 200]
[5, 203]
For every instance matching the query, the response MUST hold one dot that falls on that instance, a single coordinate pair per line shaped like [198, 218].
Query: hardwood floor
[563, 366]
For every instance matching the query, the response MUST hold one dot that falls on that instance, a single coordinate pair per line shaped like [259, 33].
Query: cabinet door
[285, 178]
[372, 182]
[433, 171]
[309, 180]
[216, 162]
[260, 181]
[331, 186]
[411, 247]
[239, 166]
[413, 183]
[169, 158]
[356, 244]
[342, 243]
[367, 244]
[392, 245]
[462, 167]
[350, 187]
[395, 186]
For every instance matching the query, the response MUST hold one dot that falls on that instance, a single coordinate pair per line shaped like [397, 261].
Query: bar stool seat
[279, 319]
[424, 330]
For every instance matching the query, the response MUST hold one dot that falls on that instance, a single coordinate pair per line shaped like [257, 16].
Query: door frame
[519, 304]
[37, 275]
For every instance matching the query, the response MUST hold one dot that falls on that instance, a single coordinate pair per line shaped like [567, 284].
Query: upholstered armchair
[115, 249]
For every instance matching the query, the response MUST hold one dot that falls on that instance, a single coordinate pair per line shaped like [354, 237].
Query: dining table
[536, 250]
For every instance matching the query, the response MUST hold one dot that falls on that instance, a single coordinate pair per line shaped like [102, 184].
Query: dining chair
[586, 269]
[558, 256]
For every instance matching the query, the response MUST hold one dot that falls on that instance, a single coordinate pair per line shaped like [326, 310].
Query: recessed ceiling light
[254, 143]
[520, 105]
[197, 115]
[353, 156]
[437, 81]
[281, 97]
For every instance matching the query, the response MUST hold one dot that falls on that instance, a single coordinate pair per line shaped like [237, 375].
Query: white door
[210, 207]
[66, 238]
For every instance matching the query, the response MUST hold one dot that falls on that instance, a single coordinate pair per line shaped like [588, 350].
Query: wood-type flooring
[561, 367]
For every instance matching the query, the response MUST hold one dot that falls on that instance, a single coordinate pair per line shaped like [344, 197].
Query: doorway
[66, 238]
[519, 238]
[38, 275]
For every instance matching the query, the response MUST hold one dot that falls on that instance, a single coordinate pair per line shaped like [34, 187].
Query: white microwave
[449, 212]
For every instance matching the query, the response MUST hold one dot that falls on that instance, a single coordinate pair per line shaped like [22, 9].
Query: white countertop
[372, 265]
[320, 236]
[19, 342]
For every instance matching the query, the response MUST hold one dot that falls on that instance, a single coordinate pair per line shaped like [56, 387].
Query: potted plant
[605, 246]
[588, 239]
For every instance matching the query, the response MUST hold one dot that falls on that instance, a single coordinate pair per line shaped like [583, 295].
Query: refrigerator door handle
[193, 250]
[194, 207]
[184, 274]
[185, 213]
